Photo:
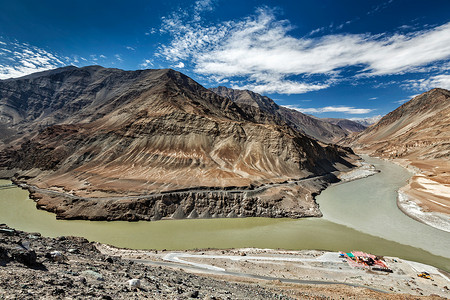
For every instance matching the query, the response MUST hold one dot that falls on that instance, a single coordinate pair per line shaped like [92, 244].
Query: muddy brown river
[358, 215]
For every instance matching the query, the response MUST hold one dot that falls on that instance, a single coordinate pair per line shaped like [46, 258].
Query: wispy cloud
[373, 98]
[261, 54]
[21, 59]
[379, 7]
[326, 109]
[118, 57]
[437, 81]
[402, 101]
[130, 48]
[146, 63]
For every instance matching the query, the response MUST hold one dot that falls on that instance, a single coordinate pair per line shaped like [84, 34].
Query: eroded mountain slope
[319, 129]
[154, 133]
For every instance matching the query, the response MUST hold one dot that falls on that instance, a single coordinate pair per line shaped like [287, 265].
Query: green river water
[358, 215]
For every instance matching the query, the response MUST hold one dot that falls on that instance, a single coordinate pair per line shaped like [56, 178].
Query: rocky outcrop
[294, 199]
[130, 134]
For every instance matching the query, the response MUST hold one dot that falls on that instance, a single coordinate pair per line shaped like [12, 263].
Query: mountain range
[324, 130]
[96, 143]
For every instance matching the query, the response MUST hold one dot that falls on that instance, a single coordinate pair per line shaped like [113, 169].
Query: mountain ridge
[320, 129]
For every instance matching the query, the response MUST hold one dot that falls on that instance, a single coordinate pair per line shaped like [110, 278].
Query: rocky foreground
[35, 267]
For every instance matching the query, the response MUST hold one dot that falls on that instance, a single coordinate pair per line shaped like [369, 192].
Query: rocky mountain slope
[100, 143]
[319, 129]
[418, 128]
[417, 134]
[348, 125]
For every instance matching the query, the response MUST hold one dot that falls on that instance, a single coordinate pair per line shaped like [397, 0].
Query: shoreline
[34, 266]
[413, 207]
[414, 211]
[299, 192]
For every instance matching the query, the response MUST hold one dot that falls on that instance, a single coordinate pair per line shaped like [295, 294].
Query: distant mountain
[253, 102]
[419, 128]
[346, 124]
[367, 121]
[100, 139]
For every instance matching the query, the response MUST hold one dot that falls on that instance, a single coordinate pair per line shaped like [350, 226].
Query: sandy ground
[318, 269]
[426, 197]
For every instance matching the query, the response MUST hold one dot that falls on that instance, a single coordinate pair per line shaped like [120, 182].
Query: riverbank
[426, 196]
[32, 266]
[294, 198]
[310, 267]
[363, 170]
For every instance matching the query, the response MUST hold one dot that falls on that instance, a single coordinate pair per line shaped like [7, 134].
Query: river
[358, 215]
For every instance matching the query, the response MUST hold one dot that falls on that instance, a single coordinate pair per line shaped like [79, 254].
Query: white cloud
[437, 81]
[326, 109]
[118, 57]
[367, 121]
[130, 48]
[21, 59]
[260, 51]
[180, 65]
[146, 63]
[281, 86]
[373, 98]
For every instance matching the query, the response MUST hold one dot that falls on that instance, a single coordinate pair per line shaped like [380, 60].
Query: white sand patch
[434, 187]
[434, 219]
[365, 170]
[419, 268]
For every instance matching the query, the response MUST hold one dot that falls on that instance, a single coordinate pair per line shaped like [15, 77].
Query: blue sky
[351, 59]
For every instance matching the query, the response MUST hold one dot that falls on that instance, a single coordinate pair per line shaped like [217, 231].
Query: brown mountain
[417, 134]
[102, 143]
[319, 129]
[418, 128]
[348, 125]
